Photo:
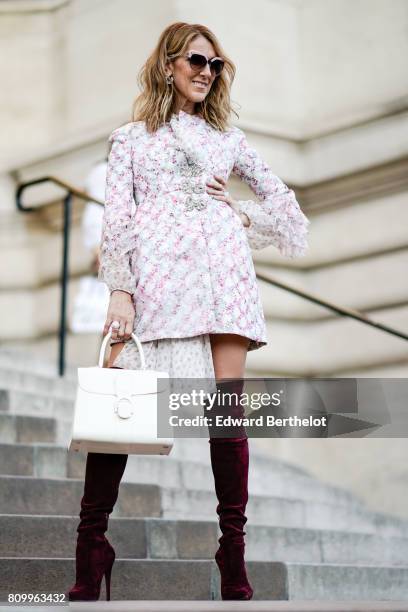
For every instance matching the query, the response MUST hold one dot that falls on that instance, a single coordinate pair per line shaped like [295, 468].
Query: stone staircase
[306, 540]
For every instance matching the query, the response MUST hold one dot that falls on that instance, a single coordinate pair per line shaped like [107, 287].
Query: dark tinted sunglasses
[198, 61]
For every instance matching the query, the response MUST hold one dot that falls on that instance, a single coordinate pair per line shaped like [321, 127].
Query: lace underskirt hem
[180, 357]
[200, 342]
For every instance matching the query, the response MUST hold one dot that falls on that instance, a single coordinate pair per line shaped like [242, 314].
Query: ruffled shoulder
[128, 131]
[233, 130]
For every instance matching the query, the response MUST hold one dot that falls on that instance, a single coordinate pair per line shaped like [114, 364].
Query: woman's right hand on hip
[121, 309]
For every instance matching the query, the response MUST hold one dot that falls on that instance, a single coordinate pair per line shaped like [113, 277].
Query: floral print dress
[184, 256]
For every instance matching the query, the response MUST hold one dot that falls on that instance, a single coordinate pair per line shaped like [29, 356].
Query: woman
[180, 270]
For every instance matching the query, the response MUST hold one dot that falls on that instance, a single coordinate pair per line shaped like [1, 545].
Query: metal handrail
[67, 202]
[342, 310]
[74, 191]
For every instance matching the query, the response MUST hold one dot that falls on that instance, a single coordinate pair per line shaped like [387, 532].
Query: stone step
[266, 478]
[135, 579]
[43, 405]
[27, 360]
[29, 495]
[27, 429]
[156, 538]
[31, 404]
[273, 510]
[229, 606]
[32, 382]
[25, 495]
[36, 404]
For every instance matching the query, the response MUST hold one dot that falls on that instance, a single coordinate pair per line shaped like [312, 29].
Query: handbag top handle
[105, 342]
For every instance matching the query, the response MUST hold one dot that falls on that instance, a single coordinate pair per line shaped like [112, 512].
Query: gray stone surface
[131, 579]
[54, 461]
[305, 540]
[54, 536]
[20, 494]
[25, 495]
[24, 361]
[16, 459]
[31, 382]
[346, 582]
[27, 429]
[229, 606]
[198, 579]
[40, 404]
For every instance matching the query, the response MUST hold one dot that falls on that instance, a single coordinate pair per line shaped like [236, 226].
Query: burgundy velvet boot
[94, 555]
[230, 463]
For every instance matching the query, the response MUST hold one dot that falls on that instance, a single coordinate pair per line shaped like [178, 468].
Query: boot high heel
[94, 559]
[234, 580]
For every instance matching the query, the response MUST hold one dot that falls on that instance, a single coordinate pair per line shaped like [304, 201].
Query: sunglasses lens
[197, 60]
[217, 66]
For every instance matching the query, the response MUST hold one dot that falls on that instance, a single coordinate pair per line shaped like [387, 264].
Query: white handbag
[116, 410]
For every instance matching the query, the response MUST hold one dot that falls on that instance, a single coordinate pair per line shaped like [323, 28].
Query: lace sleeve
[117, 223]
[277, 219]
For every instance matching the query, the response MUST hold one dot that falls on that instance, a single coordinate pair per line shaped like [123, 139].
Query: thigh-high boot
[230, 463]
[94, 554]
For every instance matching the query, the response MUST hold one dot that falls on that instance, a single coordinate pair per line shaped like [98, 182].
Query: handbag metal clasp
[124, 407]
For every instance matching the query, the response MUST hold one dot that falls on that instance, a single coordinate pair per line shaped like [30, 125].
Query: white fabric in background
[90, 306]
[92, 300]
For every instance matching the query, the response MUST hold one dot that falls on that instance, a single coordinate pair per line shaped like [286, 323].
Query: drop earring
[169, 79]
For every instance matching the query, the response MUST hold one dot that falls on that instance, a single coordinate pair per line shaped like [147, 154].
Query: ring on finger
[116, 331]
[121, 329]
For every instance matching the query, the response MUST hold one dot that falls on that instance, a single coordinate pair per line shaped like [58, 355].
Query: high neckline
[183, 114]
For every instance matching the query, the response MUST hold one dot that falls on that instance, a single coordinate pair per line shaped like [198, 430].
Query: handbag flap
[111, 381]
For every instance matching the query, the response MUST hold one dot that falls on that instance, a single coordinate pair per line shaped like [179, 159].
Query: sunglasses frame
[209, 62]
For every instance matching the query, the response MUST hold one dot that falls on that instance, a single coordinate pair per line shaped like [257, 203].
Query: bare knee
[229, 353]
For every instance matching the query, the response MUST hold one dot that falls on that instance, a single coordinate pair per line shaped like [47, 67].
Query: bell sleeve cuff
[117, 223]
[277, 218]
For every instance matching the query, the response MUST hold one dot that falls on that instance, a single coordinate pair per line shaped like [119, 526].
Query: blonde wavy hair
[156, 102]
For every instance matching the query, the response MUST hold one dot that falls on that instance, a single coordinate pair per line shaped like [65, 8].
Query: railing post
[64, 283]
